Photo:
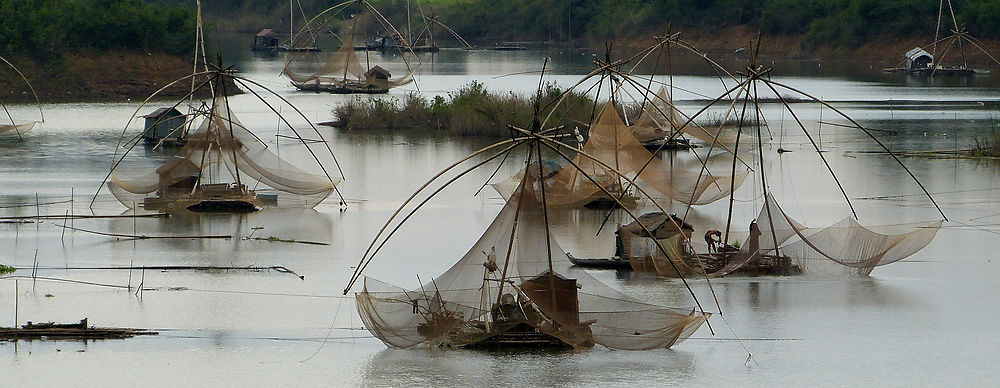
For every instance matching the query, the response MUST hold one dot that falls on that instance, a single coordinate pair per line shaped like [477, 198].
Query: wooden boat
[919, 62]
[68, 331]
[342, 73]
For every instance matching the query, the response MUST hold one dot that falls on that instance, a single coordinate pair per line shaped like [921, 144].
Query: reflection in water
[453, 367]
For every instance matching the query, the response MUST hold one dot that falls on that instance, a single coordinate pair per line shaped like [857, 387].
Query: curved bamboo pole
[870, 135]
[360, 267]
[38, 103]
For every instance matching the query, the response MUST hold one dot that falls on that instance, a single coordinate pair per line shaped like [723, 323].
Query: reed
[472, 110]
[988, 146]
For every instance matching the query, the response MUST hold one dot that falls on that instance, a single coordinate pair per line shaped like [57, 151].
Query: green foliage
[54, 25]
[823, 21]
[6, 270]
[470, 111]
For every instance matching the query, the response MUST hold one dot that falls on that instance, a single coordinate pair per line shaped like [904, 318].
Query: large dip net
[613, 143]
[508, 278]
[223, 151]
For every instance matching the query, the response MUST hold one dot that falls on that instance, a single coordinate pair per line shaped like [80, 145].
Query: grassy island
[470, 111]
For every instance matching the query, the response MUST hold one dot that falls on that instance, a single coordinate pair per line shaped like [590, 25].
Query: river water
[925, 321]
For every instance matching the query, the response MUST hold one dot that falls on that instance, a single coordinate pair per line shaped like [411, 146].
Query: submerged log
[68, 331]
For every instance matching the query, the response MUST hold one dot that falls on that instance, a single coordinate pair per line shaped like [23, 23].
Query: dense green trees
[167, 25]
[821, 21]
[35, 26]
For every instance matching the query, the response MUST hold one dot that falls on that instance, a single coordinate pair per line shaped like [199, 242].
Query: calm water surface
[925, 321]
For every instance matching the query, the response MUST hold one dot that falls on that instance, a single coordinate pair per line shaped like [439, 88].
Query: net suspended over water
[612, 142]
[17, 128]
[506, 279]
[845, 247]
[662, 118]
[218, 151]
[343, 68]
[343, 64]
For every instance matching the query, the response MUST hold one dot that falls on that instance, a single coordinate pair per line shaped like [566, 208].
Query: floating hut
[166, 125]
[265, 40]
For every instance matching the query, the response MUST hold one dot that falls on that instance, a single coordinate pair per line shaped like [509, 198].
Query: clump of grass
[470, 111]
[988, 146]
[6, 269]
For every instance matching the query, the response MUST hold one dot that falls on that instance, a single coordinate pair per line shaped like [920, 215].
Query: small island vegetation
[472, 110]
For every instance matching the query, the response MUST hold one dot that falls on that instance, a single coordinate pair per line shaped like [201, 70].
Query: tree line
[40, 26]
[167, 25]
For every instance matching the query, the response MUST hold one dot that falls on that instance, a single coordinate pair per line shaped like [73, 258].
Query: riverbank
[888, 51]
[112, 75]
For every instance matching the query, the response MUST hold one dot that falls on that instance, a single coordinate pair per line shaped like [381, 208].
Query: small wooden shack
[377, 72]
[660, 224]
[164, 124]
[566, 304]
[265, 40]
[918, 59]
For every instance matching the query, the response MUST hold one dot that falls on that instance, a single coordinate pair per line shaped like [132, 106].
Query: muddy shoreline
[119, 75]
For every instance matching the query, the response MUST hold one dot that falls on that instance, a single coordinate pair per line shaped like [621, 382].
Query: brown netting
[17, 129]
[505, 280]
[855, 249]
[613, 143]
[661, 118]
[218, 151]
[343, 67]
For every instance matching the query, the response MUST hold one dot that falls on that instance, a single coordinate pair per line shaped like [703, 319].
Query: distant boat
[507, 46]
[920, 62]
[342, 73]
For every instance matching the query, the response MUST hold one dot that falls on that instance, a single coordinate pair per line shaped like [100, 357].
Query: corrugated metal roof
[267, 32]
[161, 112]
[918, 52]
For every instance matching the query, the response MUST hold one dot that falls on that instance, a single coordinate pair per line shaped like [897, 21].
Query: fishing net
[612, 143]
[220, 150]
[337, 69]
[661, 118]
[17, 129]
[506, 279]
[844, 247]
[343, 62]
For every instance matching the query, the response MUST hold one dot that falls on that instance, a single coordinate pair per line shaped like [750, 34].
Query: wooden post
[34, 271]
[62, 237]
[16, 297]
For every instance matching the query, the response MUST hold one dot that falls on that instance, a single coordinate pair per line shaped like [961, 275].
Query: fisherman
[713, 238]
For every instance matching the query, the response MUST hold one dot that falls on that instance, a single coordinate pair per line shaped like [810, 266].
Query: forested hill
[87, 49]
[35, 26]
[816, 21]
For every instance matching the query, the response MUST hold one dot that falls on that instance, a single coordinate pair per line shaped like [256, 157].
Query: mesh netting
[661, 118]
[17, 129]
[219, 150]
[505, 280]
[341, 69]
[844, 247]
[612, 143]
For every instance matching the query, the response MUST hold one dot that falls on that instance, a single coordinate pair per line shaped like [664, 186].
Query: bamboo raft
[68, 331]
